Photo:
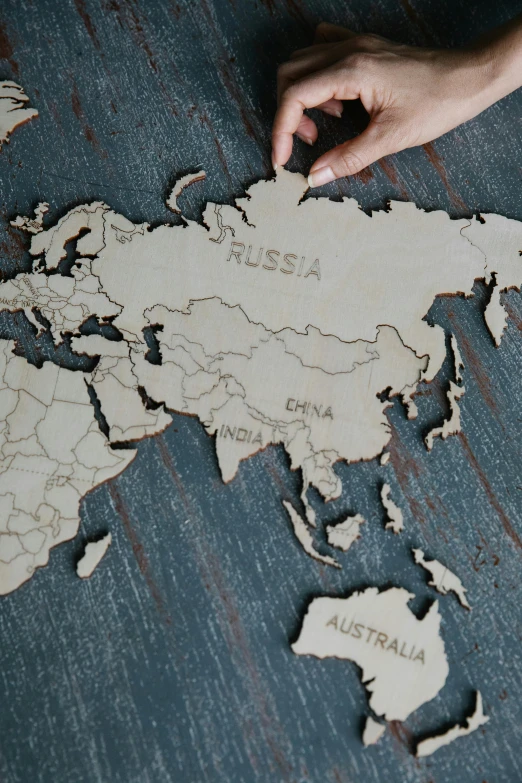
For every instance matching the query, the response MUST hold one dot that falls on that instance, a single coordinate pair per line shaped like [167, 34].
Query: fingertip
[321, 172]
[332, 33]
[318, 36]
[307, 130]
[319, 163]
[280, 158]
[281, 149]
[321, 176]
[332, 112]
[333, 107]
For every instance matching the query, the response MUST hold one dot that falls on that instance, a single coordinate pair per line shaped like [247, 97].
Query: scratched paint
[174, 664]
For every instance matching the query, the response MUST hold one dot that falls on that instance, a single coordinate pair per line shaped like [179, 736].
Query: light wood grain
[173, 664]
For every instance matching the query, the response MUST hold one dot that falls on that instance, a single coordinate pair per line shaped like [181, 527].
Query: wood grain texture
[173, 662]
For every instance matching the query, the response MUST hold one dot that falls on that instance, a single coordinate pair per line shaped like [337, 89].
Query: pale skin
[412, 95]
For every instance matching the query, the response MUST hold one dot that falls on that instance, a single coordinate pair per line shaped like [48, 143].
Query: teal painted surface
[173, 662]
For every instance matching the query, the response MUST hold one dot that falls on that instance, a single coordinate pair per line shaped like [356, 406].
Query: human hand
[413, 95]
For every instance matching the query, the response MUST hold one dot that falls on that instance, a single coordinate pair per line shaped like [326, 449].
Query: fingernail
[334, 113]
[306, 139]
[321, 177]
[276, 166]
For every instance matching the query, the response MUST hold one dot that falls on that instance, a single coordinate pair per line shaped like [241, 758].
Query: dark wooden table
[173, 662]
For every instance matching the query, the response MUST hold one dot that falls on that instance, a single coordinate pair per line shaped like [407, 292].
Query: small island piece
[442, 579]
[496, 316]
[402, 658]
[12, 110]
[179, 187]
[373, 731]
[304, 537]
[431, 744]
[451, 426]
[458, 364]
[385, 457]
[94, 552]
[32, 225]
[343, 535]
[395, 517]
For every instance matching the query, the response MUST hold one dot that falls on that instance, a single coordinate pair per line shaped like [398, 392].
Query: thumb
[351, 157]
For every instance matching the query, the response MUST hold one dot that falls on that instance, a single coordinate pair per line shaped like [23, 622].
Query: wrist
[498, 59]
[501, 70]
